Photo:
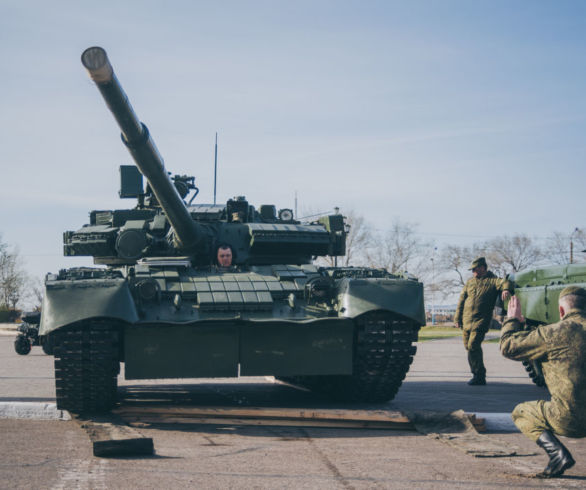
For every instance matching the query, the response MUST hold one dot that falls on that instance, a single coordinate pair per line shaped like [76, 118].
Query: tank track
[535, 372]
[382, 357]
[86, 367]
[533, 368]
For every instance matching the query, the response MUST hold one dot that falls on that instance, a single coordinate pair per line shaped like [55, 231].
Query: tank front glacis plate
[187, 294]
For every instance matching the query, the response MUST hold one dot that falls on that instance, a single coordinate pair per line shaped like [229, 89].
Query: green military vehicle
[28, 334]
[538, 291]
[163, 307]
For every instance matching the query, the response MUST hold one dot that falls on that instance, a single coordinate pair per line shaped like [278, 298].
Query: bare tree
[452, 265]
[455, 259]
[13, 278]
[558, 246]
[35, 292]
[512, 254]
[359, 239]
[398, 249]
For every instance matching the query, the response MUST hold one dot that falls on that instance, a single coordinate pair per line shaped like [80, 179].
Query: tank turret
[163, 225]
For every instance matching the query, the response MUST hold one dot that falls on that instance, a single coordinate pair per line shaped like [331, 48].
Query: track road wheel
[47, 346]
[533, 368]
[86, 367]
[22, 345]
[535, 372]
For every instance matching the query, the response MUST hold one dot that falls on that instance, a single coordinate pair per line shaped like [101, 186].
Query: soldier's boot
[560, 458]
[477, 380]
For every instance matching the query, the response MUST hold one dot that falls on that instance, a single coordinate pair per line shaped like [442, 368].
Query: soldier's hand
[514, 309]
[506, 295]
[458, 325]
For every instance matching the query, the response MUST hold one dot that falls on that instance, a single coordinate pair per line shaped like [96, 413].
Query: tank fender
[67, 302]
[358, 296]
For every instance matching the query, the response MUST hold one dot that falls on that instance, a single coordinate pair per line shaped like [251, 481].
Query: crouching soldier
[561, 348]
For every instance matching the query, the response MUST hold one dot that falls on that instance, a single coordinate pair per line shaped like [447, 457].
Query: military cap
[575, 290]
[480, 261]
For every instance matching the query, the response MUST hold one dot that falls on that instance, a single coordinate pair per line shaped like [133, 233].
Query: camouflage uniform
[561, 347]
[474, 313]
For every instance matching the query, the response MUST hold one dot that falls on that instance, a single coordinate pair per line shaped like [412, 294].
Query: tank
[159, 301]
[538, 291]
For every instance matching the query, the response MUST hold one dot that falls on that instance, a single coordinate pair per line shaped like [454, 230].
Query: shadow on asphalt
[284, 433]
[444, 395]
[413, 395]
[227, 394]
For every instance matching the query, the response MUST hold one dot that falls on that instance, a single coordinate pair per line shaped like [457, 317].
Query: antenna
[295, 204]
[215, 166]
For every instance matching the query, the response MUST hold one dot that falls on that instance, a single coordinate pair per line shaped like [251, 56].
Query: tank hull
[165, 321]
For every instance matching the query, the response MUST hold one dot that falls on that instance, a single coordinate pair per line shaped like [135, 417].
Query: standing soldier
[474, 313]
[561, 348]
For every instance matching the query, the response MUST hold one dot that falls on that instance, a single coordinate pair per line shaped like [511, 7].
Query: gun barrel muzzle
[95, 60]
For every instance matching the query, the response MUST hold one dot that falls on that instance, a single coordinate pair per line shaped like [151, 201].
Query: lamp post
[433, 286]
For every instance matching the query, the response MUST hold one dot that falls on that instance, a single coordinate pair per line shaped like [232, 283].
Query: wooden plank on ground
[272, 416]
[387, 416]
[348, 424]
[111, 436]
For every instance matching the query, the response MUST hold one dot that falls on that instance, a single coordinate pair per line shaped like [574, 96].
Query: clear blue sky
[467, 117]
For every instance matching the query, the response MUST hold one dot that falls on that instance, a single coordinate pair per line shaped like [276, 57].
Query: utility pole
[572, 244]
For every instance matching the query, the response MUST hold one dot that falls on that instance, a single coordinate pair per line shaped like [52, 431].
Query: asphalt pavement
[57, 454]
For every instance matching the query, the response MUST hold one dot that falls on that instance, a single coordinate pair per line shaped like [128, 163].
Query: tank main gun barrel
[137, 139]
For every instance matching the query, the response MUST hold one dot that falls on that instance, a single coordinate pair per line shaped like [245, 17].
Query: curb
[32, 411]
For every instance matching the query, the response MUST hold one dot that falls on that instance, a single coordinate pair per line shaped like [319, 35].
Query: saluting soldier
[561, 348]
[474, 313]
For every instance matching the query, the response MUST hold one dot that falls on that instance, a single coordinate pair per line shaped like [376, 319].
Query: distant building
[442, 313]
[446, 313]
